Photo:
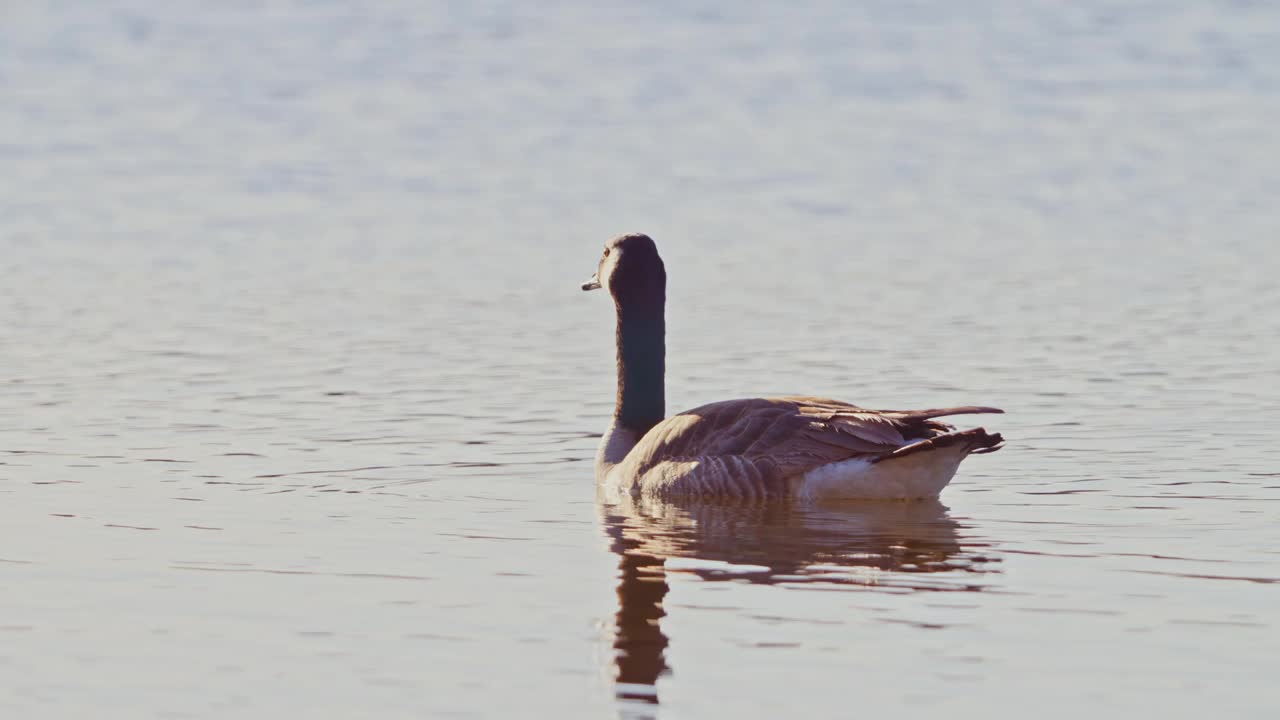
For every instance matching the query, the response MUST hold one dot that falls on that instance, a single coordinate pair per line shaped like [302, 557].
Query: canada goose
[803, 447]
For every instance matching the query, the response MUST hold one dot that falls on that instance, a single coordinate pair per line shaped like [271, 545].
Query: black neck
[642, 350]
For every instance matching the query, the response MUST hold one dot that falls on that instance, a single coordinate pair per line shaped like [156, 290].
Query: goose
[801, 447]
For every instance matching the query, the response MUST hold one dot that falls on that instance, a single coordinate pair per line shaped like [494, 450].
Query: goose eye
[606, 252]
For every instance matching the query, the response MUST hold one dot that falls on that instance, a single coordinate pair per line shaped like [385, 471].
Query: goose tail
[975, 441]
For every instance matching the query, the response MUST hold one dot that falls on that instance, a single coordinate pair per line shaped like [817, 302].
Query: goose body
[798, 447]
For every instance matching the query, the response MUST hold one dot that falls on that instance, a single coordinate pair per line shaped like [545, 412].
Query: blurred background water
[299, 393]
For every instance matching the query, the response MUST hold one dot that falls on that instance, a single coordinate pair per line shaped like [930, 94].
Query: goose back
[759, 447]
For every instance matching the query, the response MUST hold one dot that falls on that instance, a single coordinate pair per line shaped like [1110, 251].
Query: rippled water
[299, 392]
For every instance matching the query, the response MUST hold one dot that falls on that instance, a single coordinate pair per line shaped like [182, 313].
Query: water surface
[299, 392]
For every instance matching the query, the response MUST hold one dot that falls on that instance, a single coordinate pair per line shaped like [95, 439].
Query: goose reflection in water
[911, 546]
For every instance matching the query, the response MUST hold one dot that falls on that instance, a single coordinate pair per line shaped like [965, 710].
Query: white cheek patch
[606, 269]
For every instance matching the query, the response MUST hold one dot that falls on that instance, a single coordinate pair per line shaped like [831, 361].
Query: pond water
[299, 392]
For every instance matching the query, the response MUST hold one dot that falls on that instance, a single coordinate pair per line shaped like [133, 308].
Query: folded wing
[756, 444]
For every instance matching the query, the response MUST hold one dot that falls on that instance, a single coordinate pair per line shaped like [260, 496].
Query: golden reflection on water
[862, 546]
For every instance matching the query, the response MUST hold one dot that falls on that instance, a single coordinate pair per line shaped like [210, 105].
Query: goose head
[630, 269]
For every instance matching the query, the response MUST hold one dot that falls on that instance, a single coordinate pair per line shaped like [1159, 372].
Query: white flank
[916, 476]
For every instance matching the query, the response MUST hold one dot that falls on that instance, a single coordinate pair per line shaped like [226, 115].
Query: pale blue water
[299, 391]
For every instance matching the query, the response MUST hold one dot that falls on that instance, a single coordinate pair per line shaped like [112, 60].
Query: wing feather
[781, 437]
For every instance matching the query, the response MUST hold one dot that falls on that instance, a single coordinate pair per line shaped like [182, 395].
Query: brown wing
[760, 442]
